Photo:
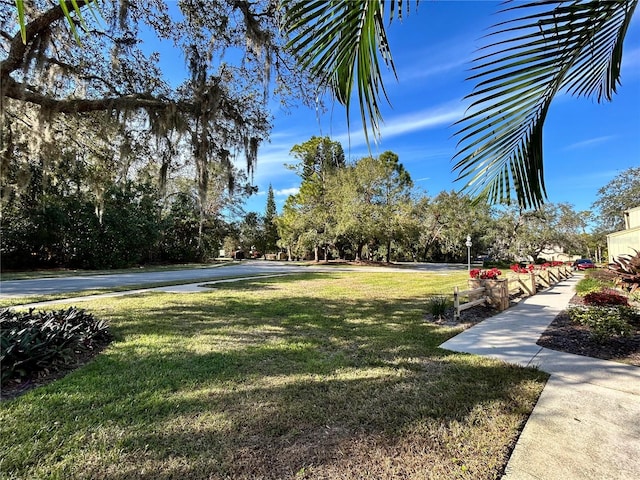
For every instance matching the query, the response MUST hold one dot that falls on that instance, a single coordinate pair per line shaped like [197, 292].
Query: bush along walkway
[585, 425]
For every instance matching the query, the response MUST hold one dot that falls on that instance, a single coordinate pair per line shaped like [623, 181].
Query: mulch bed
[562, 335]
[468, 318]
[565, 336]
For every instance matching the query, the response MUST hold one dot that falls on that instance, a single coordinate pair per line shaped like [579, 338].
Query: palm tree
[550, 46]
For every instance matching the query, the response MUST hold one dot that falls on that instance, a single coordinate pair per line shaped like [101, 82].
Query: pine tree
[270, 229]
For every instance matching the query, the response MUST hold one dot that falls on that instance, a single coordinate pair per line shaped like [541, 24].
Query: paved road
[45, 286]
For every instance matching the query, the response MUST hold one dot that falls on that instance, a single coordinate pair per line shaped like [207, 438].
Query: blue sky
[585, 144]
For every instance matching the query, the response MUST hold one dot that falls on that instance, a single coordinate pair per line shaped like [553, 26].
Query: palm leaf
[76, 6]
[341, 43]
[21, 20]
[552, 46]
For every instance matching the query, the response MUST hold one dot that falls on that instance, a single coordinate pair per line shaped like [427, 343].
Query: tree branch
[14, 90]
[38, 26]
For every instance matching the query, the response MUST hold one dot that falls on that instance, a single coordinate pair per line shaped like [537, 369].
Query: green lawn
[308, 376]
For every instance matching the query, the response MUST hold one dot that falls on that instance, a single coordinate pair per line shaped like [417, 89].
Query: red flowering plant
[485, 274]
[546, 265]
[518, 269]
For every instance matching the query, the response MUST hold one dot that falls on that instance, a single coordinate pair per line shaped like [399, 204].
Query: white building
[627, 241]
[556, 253]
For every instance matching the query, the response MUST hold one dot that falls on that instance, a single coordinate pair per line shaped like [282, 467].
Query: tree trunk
[200, 226]
[388, 251]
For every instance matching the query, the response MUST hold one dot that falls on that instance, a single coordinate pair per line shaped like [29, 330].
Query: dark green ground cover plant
[333, 375]
[34, 341]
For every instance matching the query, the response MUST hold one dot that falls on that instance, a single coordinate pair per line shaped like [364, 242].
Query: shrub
[589, 285]
[30, 342]
[496, 264]
[605, 297]
[604, 322]
[626, 269]
[55, 229]
[437, 305]
[605, 276]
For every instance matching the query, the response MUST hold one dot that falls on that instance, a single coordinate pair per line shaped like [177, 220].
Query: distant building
[556, 253]
[627, 241]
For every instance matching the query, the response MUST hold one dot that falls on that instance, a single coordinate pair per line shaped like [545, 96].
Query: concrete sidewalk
[586, 424]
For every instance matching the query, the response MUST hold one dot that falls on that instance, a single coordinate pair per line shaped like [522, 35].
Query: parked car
[583, 264]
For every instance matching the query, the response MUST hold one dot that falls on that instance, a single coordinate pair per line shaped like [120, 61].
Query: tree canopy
[620, 194]
[112, 88]
[368, 209]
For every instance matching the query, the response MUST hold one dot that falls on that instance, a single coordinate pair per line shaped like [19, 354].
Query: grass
[309, 376]
[594, 281]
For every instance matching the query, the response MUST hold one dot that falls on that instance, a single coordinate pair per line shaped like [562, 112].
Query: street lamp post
[468, 244]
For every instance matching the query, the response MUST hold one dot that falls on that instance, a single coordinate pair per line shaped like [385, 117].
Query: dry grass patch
[315, 376]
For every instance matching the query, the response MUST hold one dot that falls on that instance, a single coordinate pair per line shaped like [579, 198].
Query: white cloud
[285, 192]
[589, 143]
[420, 73]
[430, 118]
[434, 59]
[273, 155]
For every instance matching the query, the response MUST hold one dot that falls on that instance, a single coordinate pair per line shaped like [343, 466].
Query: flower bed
[491, 274]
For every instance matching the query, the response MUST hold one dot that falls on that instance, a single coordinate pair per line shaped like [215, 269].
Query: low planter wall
[495, 292]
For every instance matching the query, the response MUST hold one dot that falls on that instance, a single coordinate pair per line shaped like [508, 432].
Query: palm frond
[21, 20]
[67, 6]
[552, 46]
[341, 43]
